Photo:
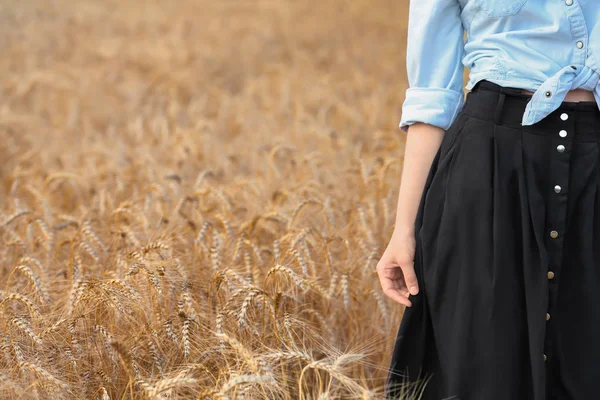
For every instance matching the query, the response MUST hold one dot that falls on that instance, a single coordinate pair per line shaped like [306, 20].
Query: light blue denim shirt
[546, 46]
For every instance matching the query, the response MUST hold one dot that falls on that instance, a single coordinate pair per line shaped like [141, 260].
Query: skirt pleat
[489, 322]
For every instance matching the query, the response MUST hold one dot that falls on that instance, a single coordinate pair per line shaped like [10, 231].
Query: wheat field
[194, 196]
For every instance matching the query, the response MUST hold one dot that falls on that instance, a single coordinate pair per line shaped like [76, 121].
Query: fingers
[395, 295]
[410, 278]
[392, 283]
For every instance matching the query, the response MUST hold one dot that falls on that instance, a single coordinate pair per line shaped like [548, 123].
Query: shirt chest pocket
[501, 8]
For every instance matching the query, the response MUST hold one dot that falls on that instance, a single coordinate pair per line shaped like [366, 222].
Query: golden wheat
[194, 195]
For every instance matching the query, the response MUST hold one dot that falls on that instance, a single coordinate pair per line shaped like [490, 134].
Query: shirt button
[550, 275]
[548, 93]
[545, 358]
[562, 133]
[553, 234]
[547, 316]
[569, 2]
[560, 148]
[579, 44]
[564, 116]
[557, 188]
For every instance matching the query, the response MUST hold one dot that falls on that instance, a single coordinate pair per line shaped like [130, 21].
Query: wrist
[404, 231]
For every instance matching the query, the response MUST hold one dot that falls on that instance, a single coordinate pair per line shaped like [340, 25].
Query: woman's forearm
[422, 143]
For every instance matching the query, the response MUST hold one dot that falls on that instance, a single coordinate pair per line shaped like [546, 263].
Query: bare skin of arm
[396, 267]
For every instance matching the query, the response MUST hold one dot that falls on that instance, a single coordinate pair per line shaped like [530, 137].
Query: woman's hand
[396, 268]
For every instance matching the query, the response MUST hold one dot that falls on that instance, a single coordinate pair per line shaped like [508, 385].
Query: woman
[496, 248]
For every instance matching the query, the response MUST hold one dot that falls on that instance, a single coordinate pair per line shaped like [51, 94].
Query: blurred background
[194, 196]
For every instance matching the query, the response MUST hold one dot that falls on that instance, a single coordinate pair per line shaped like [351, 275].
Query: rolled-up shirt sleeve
[434, 52]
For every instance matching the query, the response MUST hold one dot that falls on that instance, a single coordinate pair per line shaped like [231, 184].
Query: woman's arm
[422, 143]
[396, 266]
[433, 100]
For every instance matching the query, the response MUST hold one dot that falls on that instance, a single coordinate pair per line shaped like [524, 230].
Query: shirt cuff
[435, 106]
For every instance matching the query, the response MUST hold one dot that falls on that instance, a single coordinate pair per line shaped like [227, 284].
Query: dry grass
[194, 196]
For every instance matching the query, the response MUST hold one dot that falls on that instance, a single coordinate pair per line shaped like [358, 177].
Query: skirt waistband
[506, 105]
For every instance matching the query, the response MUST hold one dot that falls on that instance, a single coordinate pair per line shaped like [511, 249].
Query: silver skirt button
[560, 148]
[562, 133]
[564, 116]
[557, 188]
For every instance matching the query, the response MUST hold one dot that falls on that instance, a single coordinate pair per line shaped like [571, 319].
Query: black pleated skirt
[507, 258]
